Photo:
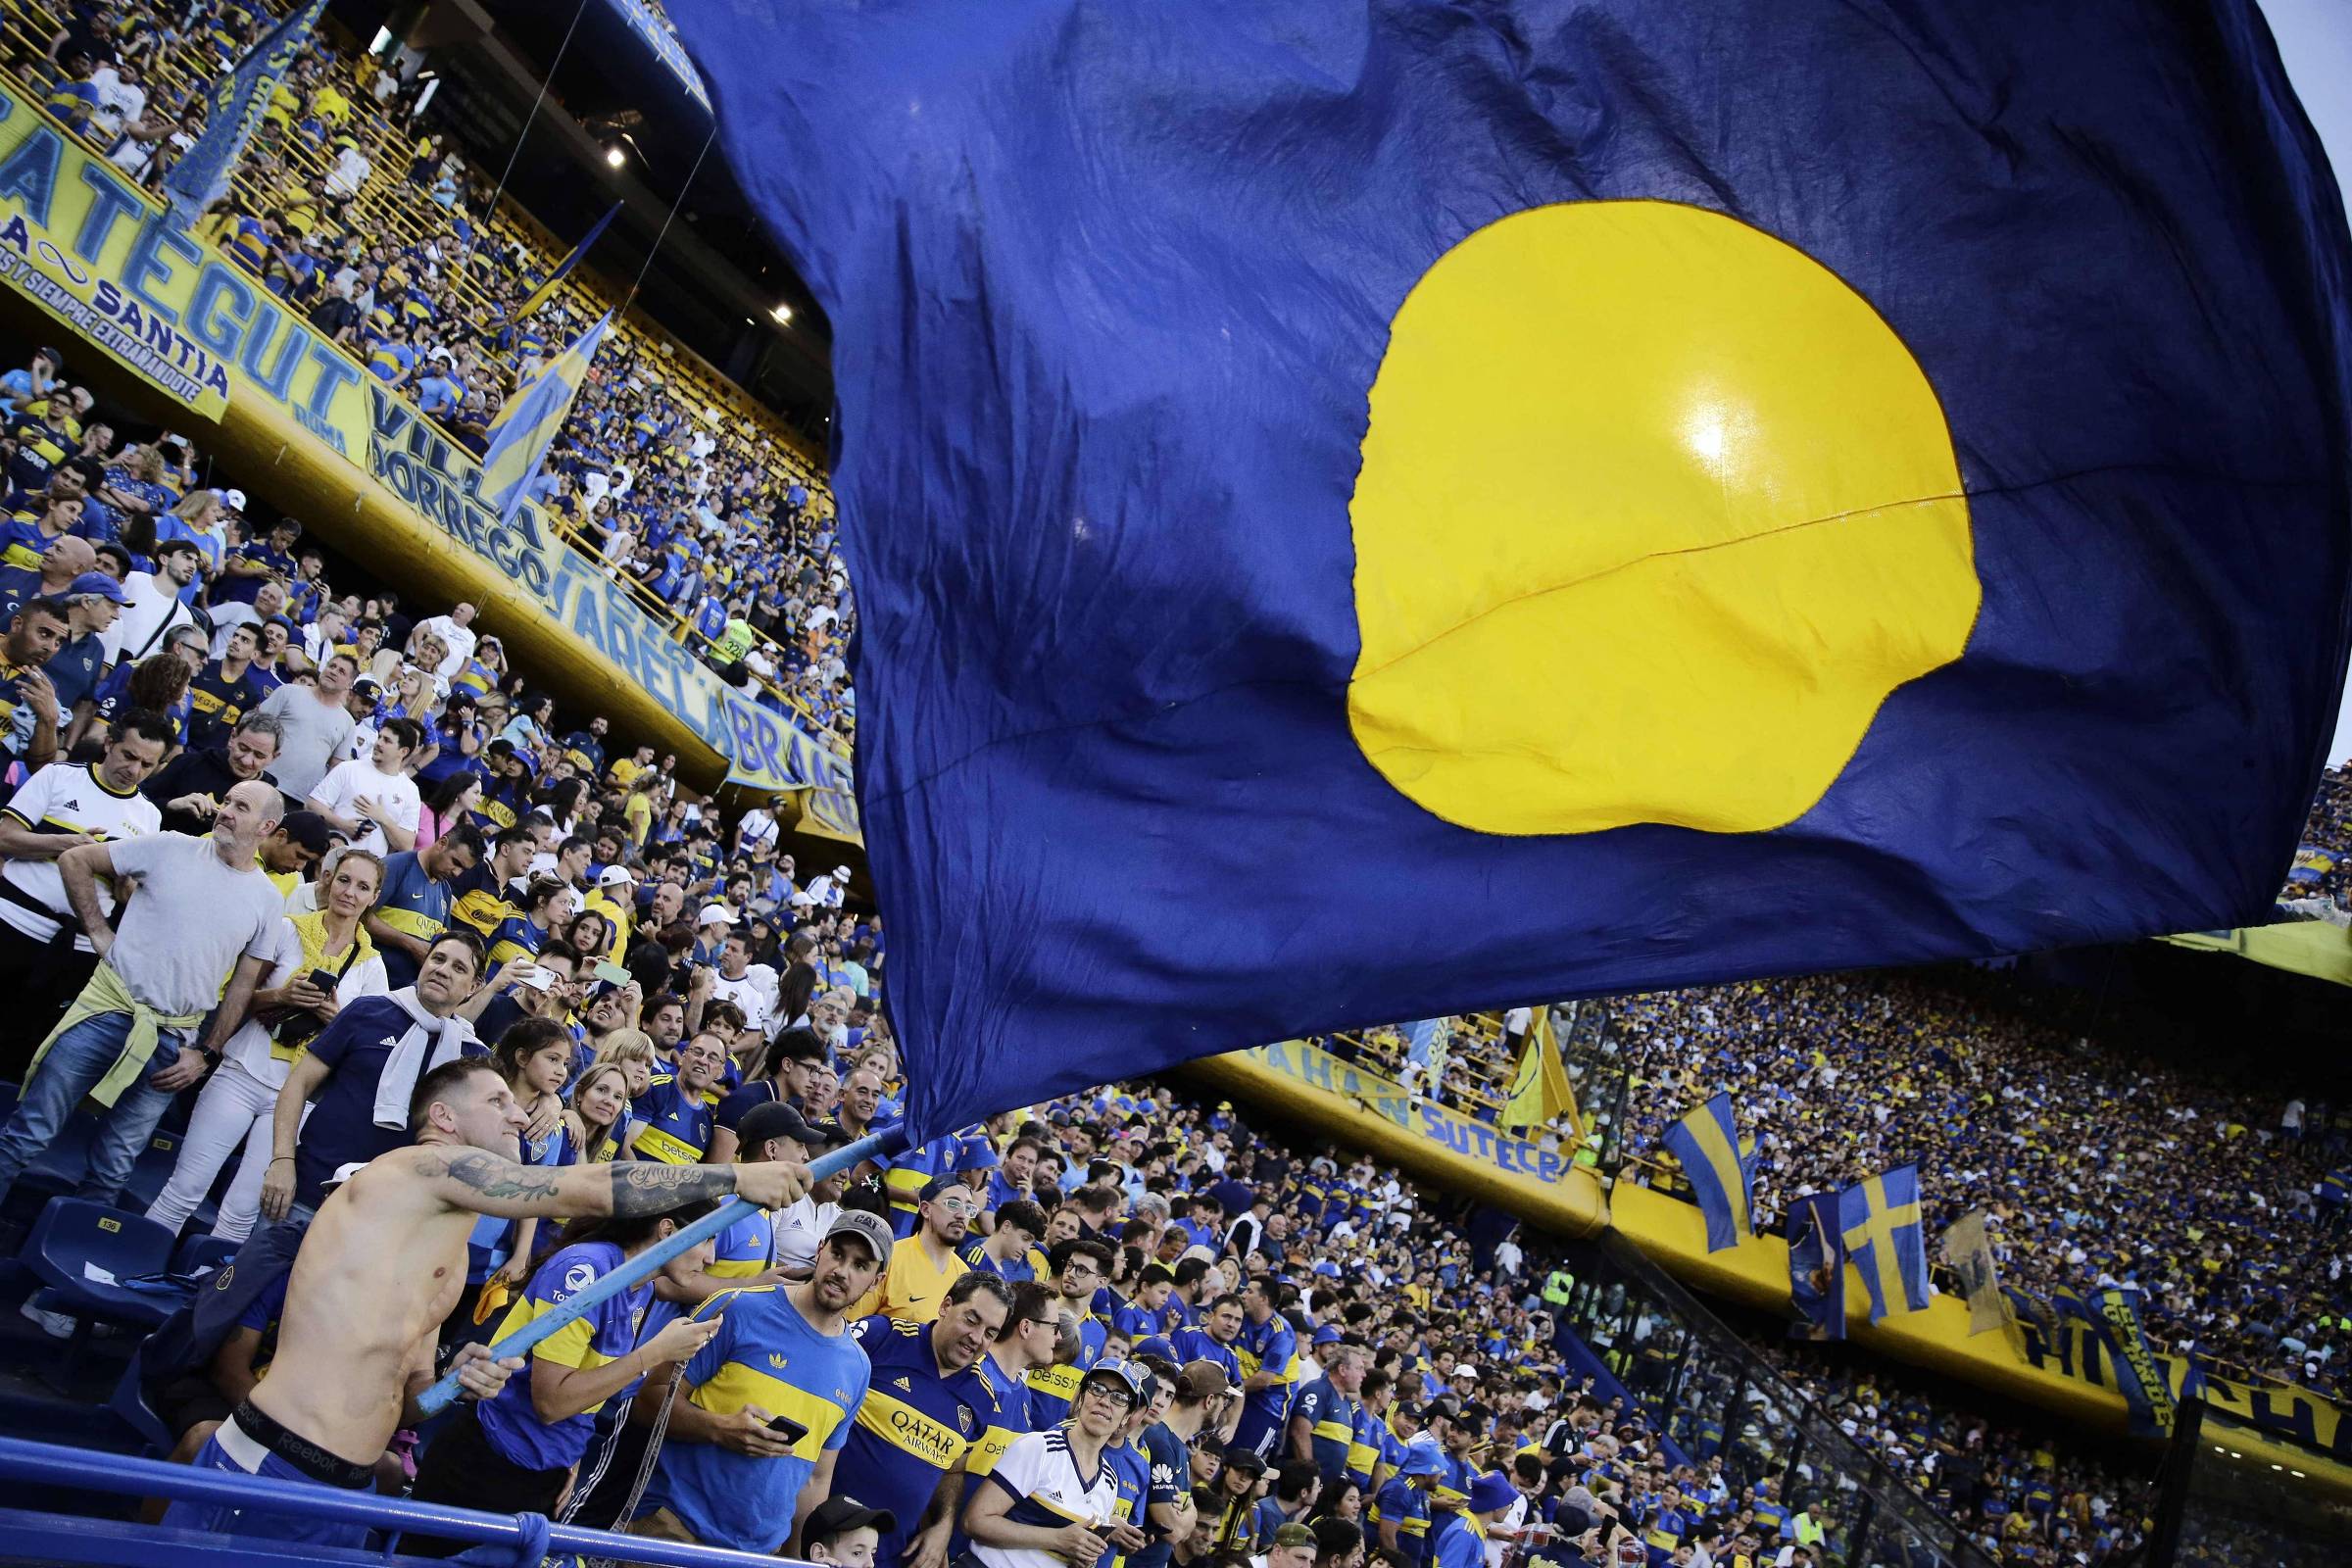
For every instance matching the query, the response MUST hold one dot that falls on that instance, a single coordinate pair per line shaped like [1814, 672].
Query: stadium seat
[201, 1254]
[150, 1172]
[128, 1404]
[71, 1237]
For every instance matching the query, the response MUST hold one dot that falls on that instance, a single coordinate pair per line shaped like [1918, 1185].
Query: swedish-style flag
[1884, 1240]
[235, 105]
[527, 425]
[1706, 1143]
[1550, 496]
[547, 290]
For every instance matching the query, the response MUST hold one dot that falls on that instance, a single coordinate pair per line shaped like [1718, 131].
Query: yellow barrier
[1437, 1145]
[303, 425]
[2066, 1373]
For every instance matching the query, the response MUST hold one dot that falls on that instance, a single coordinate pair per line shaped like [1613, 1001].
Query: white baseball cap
[616, 876]
[233, 500]
[717, 915]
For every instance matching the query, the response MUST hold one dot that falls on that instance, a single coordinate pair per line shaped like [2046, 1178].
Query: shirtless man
[383, 1264]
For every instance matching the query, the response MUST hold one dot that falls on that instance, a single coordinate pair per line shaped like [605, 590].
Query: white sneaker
[57, 1325]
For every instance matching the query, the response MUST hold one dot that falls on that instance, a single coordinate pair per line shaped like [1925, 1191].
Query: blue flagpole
[442, 1395]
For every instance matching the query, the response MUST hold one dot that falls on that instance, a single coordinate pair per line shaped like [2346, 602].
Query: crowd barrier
[197, 341]
[38, 1469]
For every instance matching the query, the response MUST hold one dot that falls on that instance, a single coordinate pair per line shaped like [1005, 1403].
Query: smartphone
[613, 972]
[788, 1429]
[324, 980]
[538, 979]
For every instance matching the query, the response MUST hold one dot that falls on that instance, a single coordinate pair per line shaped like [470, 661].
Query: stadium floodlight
[783, 315]
[614, 156]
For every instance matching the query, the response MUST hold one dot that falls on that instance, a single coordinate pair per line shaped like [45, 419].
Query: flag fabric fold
[1880, 1222]
[235, 105]
[1968, 1253]
[1540, 1091]
[529, 420]
[1319, 564]
[1706, 1144]
[1816, 1268]
[547, 288]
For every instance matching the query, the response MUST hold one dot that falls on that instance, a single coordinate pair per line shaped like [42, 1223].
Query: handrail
[1869, 1473]
[27, 1464]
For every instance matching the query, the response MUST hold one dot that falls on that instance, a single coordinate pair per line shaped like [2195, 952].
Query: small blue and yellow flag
[1884, 1239]
[546, 290]
[1707, 1144]
[234, 104]
[527, 425]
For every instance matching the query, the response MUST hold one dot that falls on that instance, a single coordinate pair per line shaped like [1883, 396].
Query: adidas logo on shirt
[901, 1384]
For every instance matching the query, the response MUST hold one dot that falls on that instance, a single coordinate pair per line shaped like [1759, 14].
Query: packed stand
[2232, 1202]
[2319, 885]
[397, 250]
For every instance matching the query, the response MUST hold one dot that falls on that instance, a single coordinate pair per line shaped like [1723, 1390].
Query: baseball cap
[233, 500]
[1328, 1334]
[616, 876]
[99, 583]
[308, 829]
[1130, 1376]
[977, 1154]
[1238, 1458]
[838, 1516]
[717, 915]
[1293, 1534]
[1420, 1459]
[367, 683]
[776, 1119]
[1155, 1345]
[1466, 1369]
[872, 1229]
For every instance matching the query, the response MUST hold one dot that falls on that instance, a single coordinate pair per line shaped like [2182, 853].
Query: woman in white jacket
[325, 958]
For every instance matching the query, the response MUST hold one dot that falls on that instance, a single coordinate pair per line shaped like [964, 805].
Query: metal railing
[30, 1470]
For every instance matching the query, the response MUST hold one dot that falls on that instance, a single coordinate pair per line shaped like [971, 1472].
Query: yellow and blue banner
[1816, 1268]
[235, 105]
[2139, 1375]
[529, 421]
[547, 290]
[1540, 1091]
[1706, 1144]
[1380, 454]
[1968, 1253]
[1881, 1224]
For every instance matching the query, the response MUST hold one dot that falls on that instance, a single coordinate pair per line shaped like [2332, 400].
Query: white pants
[236, 1108]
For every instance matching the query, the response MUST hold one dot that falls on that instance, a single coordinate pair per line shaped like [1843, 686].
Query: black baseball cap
[836, 1517]
[776, 1119]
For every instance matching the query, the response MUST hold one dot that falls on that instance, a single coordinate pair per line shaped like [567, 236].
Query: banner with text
[98, 255]
[1465, 1135]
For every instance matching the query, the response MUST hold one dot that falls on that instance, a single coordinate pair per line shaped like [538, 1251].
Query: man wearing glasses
[923, 1266]
[1081, 1268]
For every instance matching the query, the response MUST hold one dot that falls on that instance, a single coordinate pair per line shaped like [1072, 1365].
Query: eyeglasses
[1109, 1394]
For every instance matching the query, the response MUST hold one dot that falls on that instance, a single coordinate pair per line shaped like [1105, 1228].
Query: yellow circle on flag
[1654, 512]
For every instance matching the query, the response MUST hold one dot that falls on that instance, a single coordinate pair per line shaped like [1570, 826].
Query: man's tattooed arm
[642, 1187]
[623, 1189]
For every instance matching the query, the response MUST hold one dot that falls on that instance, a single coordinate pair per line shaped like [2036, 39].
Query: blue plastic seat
[150, 1172]
[128, 1404]
[62, 1167]
[199, 1254]
[73, 1235]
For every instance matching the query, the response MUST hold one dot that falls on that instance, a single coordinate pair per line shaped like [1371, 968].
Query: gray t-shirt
[190, 921]
[315, 733]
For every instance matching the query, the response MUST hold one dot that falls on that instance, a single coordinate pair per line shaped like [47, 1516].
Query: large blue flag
[233, 106]
[1706, 1144]
[1369, 509]
[1881, 1225]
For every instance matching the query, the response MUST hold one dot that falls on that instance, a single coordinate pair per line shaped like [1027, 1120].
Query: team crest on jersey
[228, 1271]
[963, 1418]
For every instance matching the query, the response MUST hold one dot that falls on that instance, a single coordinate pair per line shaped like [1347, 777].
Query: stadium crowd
[715, 524]
[2236, 1237]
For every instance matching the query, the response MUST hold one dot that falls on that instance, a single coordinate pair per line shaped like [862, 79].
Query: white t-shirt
[757, 999]
[68, 797]
[1040, 1466]
[249, 1046]
[396, 793]
[144, 623]
[459, 640]
[800, 1229]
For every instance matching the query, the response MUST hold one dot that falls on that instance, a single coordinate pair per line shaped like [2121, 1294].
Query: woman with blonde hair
[632, 1051]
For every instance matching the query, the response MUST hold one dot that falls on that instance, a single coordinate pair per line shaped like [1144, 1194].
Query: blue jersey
[765, 1354]
[913, 1426]
[1194, 1343]
[676, 1122]
[1405, 1506]
[1008, 1420]
[509, 1422]
[414, 904]
[1131, 1474]
[1053, 1390]
[1455, 1543]
[1169, 1466]
[1332, 1418]
[1270, 1348]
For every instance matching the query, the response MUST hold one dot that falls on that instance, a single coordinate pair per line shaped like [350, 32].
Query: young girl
[547, 905]
[449, 803]
[534, 1056]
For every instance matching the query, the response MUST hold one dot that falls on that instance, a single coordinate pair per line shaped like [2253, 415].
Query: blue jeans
[78, 1058]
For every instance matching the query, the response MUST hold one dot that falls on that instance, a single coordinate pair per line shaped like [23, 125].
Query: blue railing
[40, 1470]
